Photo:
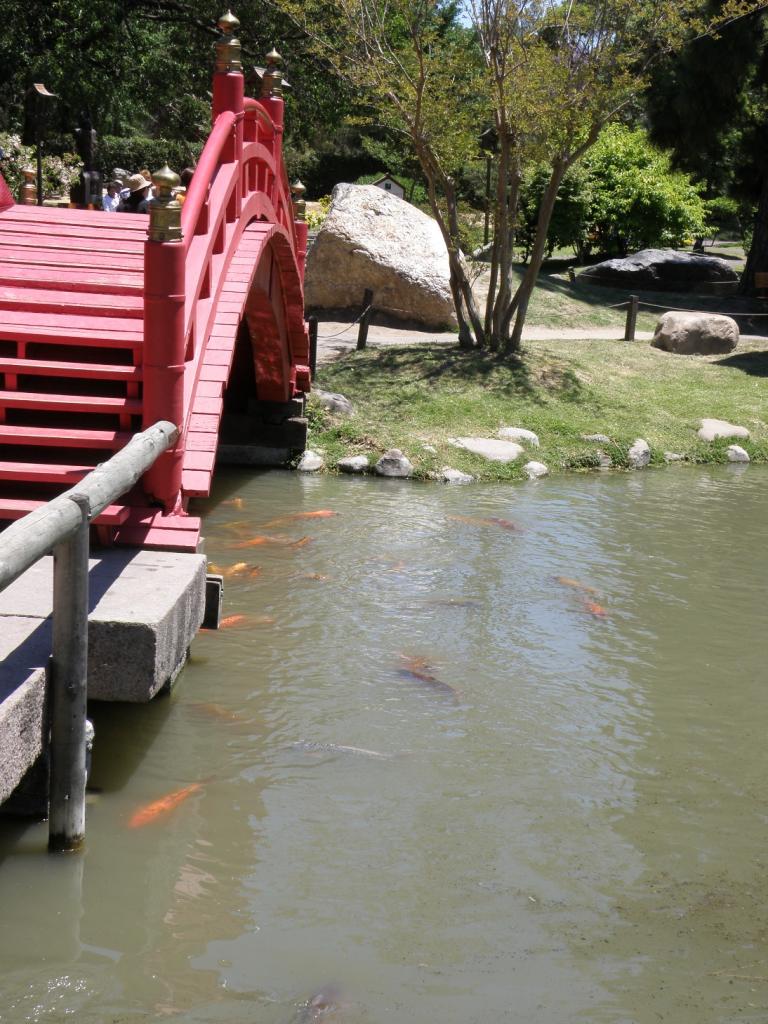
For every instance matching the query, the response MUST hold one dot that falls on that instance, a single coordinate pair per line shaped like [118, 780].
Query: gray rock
[519, 434]
[374, 240]
[660, 270]
[598, 438]
[393, 463]
[604, 461]
[429, 448]
[639, 454]
[334, 402]
[673, 457]
[710, 429]
[353, 464]
[310, 462]
[737, 454]
[689, 334]
[535, 470]
[496, 451]
[454, 476]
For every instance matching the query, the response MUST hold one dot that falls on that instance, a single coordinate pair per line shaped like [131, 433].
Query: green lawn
[411, 397]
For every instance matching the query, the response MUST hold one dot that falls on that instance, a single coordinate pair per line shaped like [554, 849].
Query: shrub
[59, 172]
[136, 152]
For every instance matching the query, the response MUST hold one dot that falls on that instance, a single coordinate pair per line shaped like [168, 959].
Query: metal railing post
[69, 686]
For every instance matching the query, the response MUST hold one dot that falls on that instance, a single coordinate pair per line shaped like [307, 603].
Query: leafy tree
[570, 221]
[548, 76]
[637, 199]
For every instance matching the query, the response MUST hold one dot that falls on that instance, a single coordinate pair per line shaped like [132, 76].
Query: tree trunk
[757, 261]
[524, 292]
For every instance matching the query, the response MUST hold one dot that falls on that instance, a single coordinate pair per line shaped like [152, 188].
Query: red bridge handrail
[205, 172]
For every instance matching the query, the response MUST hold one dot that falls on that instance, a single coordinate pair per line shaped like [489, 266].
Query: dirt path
[336, 338]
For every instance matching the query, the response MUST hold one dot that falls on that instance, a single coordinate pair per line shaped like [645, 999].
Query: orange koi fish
[312, 576]
[217, 711]
[234, 570]
[321, 513]
[595, 610]
[566, 581]
[255, 542]
[238, 503]
[232, 620]
[164, 805]
[420, 670]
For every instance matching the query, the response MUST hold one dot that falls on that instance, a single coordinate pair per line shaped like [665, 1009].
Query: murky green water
[577, 834]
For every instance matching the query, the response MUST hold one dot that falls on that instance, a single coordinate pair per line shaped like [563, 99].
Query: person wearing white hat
[138, 188]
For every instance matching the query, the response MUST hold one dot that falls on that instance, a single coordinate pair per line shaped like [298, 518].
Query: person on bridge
[136, 202]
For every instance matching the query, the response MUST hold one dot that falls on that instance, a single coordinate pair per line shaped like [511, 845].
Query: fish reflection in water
[310, 747]
[503, 524]
[419, 669]
[455, 602]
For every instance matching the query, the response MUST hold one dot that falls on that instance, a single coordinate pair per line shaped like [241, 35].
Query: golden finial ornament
[272, 79]
[227, 46]
[299, 206]
[164, 209]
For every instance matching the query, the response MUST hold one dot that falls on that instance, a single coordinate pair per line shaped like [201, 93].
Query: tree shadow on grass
[753, 363]
[399, 370]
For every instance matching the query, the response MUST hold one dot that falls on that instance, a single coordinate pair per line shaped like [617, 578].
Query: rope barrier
[329, 337]
[682, 309]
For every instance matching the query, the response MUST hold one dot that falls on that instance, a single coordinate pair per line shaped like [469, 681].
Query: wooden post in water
[629, 330]
[69, 686]
[365, 319]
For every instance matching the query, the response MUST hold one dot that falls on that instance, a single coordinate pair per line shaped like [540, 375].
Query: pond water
[568, 680]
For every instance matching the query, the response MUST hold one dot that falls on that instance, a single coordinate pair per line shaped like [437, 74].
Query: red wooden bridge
[111, 322]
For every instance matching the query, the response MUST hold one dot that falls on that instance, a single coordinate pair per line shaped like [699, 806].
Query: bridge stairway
[71, 335]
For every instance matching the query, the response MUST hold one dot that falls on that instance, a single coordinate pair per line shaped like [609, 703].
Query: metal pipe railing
[61, 526]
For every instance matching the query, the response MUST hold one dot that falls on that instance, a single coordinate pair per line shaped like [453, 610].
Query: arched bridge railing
[240, 178]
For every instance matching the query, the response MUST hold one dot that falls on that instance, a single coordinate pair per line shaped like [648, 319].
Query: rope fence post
[312, 325]
[365, 318]
[629, 330]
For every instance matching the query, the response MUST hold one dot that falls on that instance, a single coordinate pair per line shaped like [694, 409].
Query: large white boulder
[696, 333]
[373, 240]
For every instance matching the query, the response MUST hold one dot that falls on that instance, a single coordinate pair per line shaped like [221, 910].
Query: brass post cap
[272, 79]
[298, 188]
[164, 210]
[227, 47]
[228, 23]
[165, 180]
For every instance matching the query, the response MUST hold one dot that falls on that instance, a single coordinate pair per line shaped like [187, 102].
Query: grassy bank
[423, 395]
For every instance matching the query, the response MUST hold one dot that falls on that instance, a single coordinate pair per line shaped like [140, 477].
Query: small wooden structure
[391, 185]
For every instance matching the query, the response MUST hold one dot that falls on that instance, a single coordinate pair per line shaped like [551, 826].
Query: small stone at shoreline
[519, 434]
[639, 455]
[673, 457]
[604, 461]
[454, 476]
[333, 402]
[487, 448]
[737, 454]
[598, 438]
[710, 429]
[310, 462]
[394, 464]
[535, 470]
[353, 464]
